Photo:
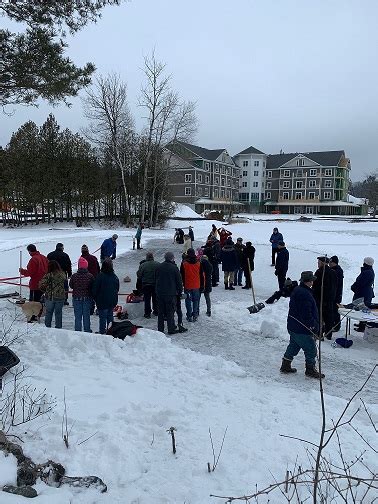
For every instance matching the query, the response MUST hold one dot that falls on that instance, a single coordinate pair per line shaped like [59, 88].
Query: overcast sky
[297, 75]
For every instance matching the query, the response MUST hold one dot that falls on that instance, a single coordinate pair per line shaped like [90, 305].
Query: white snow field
[224, 372]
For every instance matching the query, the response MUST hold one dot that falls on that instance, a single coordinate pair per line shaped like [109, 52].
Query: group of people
[92, 286]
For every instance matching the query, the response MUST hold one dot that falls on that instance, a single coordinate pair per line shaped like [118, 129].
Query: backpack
[122, 329]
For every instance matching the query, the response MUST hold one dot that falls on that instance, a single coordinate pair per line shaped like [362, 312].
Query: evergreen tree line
[50, 175]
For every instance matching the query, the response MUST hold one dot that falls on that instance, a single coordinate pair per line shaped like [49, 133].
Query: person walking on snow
[105, 290]
[36, 269]
[248, 263]
[147, 275]
[109, 248]
[229, 261]
[81, 285]
[53, 284]
[64, 262]
[302, 325]
[274, 240]
[207, 288]
[191, 234]
[192, 278]
[324, 289]
[138, 235]
[168, 287]
[334, 265]
[363, 287]
[282, 264]
[238, 273]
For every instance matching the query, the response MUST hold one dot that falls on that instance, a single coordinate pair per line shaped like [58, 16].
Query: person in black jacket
[105, 292]
[363, 287]
[248, 261]
[238, 273]
[191, 234]
[302, 325]
[207, 288]
[326, 281]
[229, 260]
[334, 265]
[282, 264]
[64, 262]
[168, 287]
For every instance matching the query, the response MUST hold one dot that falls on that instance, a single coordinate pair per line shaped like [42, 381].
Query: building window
[223, 181]
[216, 180]
[256, 163]
[313, 172]
[243, 196]
[199, 191]
[199, 178]
[188, 177]
[229, 182]
[188, 191]
[255, 196]
[268, 185]
[222, 193]
[286, 184]
[298, 195]
[207, 179]
[328, 183]
[300, 162]
[215, 193]
[255, 184]
[263, 164]
[299, 173]
[256, 173]
[244, 184]
[297, 210]
[222, 169]
[206, 191]
[328, 172]
[286, 173]
[245, 163]
[298, 184]
[245, 173]
[327, 194]
[216, 168]
[285, 195]
[207, 166]
[268, 174]
[311, 195]
[312, 183]
[268, 195]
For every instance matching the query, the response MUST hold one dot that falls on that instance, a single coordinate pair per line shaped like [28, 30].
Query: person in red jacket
[36, 270]
[193, 281]
[223, 235]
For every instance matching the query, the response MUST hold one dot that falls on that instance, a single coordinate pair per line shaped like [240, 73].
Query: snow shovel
[256, 307]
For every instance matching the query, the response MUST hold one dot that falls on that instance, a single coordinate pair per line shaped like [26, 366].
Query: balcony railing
[299, 201]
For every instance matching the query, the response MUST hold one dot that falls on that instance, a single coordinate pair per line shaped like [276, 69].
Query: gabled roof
[325, 158]
[250, 150]
[209, 154]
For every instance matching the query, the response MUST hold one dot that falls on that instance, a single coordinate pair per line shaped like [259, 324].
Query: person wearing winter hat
[274, 239]
[105, 293]
[192, 278]
[93, 265]
[334, 265]
[229, 260]
[363, 286]
[81, 284]
[168, 288]
[238, 273]
[324, 290]
[109, 248]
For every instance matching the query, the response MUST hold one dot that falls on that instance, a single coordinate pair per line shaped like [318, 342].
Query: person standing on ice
[81, 285]
[229, 261]
[147, 275]
[187, 244]
[138, 235]
[53, 284]
[192, 279]
[191, 234]
[334, 265]
[363, 287]
[36, 269]
[223, 236]
[207, 287]
[93, 268]
[274, 240]
[109, 248]
[238, 273]
[64, 262]
[248, 263]
[105, 293]
[324, 289]
[302, 325]
[168, 287]
[282, 264]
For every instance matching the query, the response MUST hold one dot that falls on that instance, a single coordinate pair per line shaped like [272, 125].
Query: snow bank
[184, 212]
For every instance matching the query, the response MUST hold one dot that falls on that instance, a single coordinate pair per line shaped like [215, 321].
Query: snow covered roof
[310, 203]
[358, 201]
[202, 201]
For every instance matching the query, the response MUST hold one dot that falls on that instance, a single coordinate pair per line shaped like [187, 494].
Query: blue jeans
[82, 310]
[105, 318]
[305, 342]
[192, 302]
[238, 276]
[54, 306]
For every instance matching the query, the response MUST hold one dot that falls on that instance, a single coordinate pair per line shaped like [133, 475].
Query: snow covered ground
[129, 393]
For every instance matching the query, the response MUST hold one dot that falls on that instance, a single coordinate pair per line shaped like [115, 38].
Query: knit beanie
[369, 261]
[82, 263]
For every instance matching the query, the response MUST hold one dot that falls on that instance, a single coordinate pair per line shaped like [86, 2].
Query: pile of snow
[184, 212]
[357, 201]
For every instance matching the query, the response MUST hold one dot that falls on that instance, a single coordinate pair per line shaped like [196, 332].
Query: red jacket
[192, 274]
[36, 269]
[223, 235]
[93, 266]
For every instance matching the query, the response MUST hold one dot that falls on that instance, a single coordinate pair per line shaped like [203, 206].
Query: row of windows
[254, 184]
[299, 184]
[328, 172]
[245, 173]
[188, 178]
[255, 163]
[222, 193]
[311, 195]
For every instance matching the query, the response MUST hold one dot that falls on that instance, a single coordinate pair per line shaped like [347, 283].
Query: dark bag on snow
[8, 359]
[122, 329]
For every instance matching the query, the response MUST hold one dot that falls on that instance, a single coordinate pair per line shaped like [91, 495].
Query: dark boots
[226, 286]
[286, 366]
[312, 372]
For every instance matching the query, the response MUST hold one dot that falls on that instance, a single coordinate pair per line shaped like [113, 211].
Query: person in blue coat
[109, 248]
[302, 325]
[282, 264]
[274, 240]
[138, 235]
[230, 263]
[105, 292]
[363, 286]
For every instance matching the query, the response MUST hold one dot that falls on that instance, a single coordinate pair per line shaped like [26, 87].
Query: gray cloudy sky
[296, 75]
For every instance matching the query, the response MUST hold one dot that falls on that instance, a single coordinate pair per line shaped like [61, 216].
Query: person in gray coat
[147, 275]
[168, 287]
